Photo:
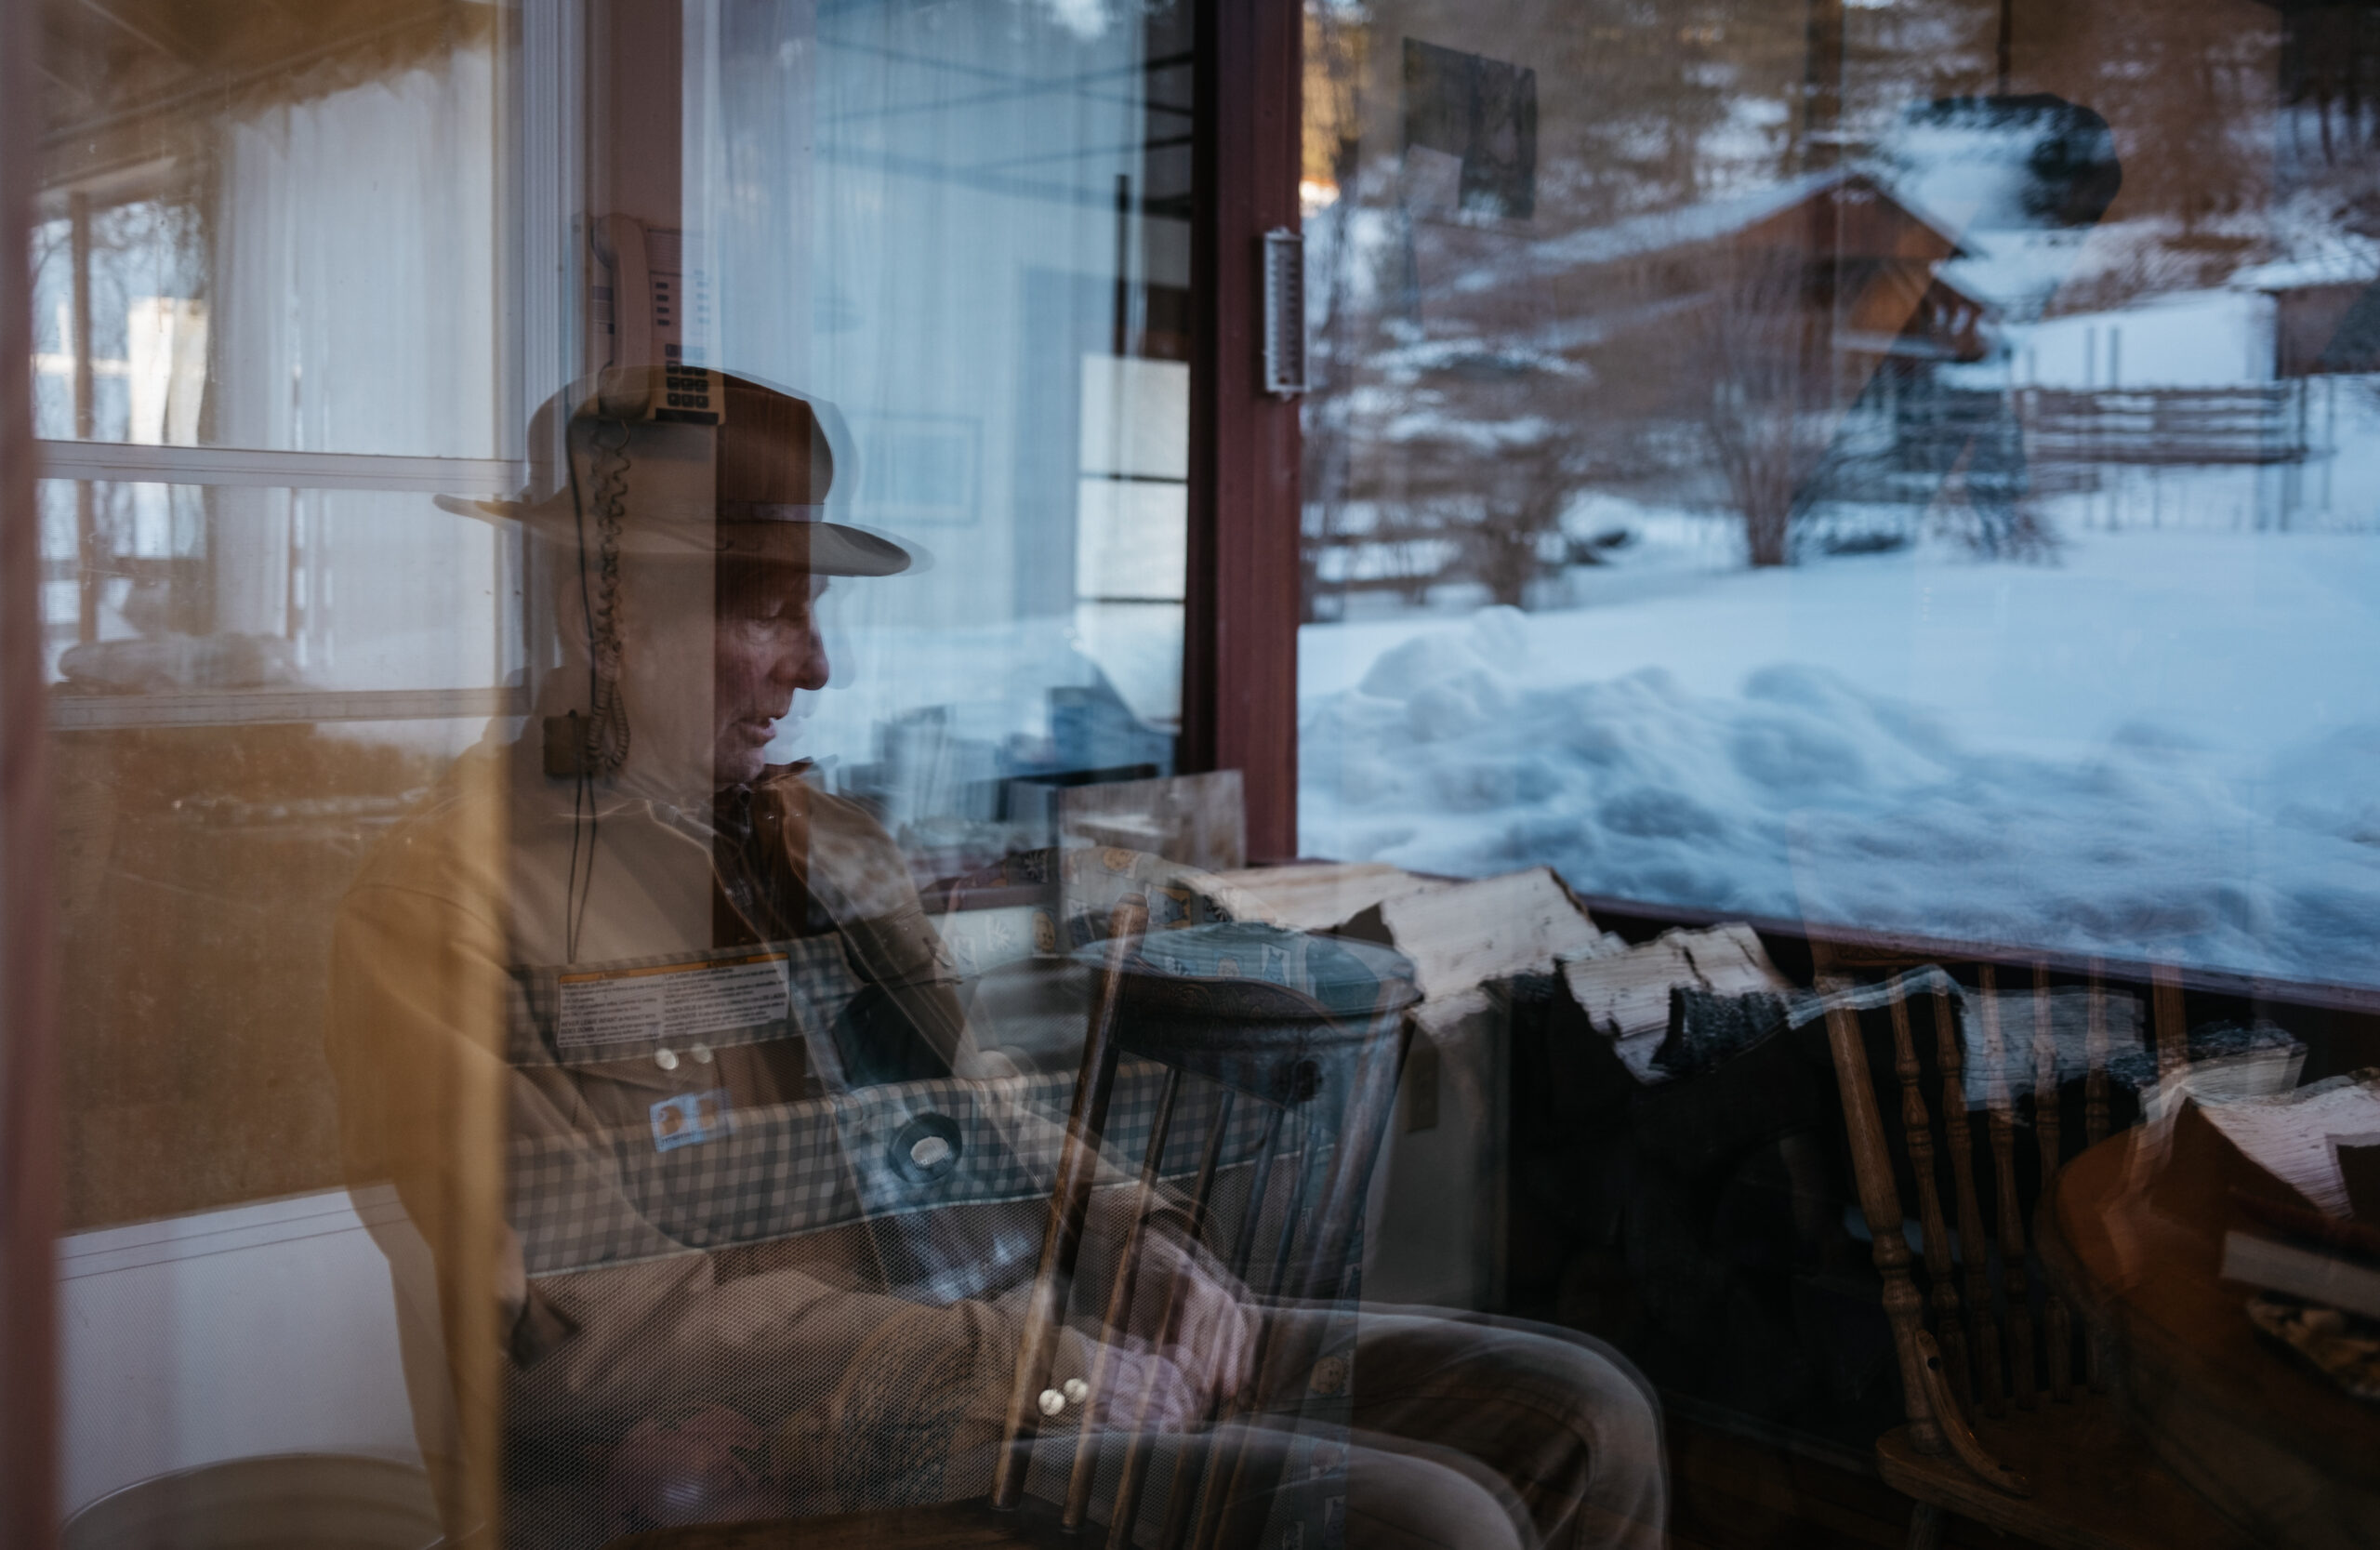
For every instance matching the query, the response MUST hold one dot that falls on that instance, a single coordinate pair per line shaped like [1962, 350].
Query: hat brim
[820, 547]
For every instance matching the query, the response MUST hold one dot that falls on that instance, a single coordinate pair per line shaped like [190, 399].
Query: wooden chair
[1321, 1099]
[1999, 1429]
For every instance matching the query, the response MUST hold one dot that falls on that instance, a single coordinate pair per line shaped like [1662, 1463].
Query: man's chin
[740, 766]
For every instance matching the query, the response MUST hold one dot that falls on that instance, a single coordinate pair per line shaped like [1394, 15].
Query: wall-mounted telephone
[653, 314]
[646, 327]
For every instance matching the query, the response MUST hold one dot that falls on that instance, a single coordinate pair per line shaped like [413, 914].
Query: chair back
[1981, 1329]
[1299, 1037]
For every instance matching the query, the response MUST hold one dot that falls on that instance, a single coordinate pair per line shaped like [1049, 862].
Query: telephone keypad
[690, 395]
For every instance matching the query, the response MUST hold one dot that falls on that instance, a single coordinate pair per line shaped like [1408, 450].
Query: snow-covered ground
[2162, 742]
[2163, 745]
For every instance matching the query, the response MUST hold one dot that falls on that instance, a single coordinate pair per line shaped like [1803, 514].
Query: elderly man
[605, 956]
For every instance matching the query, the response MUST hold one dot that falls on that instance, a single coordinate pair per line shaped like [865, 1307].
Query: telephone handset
[648, 376]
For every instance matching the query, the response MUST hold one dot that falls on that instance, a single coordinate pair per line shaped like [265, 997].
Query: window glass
[318, 271]
[338, 309]
[270, 289]
[636, 956]
[1907, 469]
[989, 207]
[1834, 539]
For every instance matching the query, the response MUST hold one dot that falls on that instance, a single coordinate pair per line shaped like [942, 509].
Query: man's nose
[803, 663]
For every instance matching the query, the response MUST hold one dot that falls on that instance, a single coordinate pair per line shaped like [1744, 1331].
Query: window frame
[30, 1180]
[1239, 690]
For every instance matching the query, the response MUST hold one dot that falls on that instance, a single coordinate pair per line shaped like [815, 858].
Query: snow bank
[1792, 788]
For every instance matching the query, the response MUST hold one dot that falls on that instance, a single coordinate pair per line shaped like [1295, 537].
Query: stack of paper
[2296, 1137]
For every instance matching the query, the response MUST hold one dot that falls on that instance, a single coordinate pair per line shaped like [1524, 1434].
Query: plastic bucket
[279, 1502]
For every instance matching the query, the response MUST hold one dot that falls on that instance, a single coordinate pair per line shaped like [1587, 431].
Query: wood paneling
[199, 871]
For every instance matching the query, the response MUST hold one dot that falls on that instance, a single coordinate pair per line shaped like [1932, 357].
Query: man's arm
[429, 1101]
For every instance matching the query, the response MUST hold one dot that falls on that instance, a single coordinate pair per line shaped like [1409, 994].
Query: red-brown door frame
[1240, 645]
[29, 1175]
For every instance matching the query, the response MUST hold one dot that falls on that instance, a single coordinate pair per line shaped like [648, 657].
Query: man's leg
[1561, 1419]
[1469, 1433]
[1398, 1494]
[1400, 1497]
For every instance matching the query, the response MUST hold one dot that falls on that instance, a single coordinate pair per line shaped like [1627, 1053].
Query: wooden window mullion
[1239, 680]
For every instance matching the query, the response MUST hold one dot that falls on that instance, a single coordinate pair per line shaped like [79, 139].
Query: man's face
[767, 648]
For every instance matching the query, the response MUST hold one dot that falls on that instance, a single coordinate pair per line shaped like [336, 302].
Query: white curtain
[357, 273]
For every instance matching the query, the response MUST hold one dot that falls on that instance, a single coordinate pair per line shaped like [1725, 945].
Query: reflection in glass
[297, 274]
[272, 235]
[1901, 474]
[990, 221]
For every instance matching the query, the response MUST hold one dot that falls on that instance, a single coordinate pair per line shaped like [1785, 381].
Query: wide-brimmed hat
[678, 462]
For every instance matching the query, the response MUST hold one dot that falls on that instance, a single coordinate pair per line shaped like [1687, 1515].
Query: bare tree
[1523, 494]
[1335, 55]
[1760, 359]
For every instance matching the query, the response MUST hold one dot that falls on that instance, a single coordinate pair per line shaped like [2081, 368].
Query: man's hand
[1189, 1310]
[1186, 1351]
[1131, 1388]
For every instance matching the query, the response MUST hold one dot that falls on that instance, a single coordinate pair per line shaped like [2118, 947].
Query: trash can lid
[1262, 971]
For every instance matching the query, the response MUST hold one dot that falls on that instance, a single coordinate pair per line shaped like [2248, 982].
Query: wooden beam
[1240, 668]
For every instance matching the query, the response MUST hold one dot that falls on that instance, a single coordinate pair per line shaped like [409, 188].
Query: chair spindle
[1069, 1205]
[2021, 1380]
[1329, 1197]
[1917, 1134]
[2173, 1033]
[1983, 1335]
[2095, 1130]
[1134, 1471]
[1880, 1203]
[2057, 1332]
[1119, 1303]
[1227, 1464]
[2094, 1054]
[1192, 1464]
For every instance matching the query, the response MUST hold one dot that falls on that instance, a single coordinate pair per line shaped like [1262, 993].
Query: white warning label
[673, 1000]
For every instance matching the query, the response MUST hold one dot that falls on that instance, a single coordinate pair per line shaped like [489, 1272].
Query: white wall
[263, 1329]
